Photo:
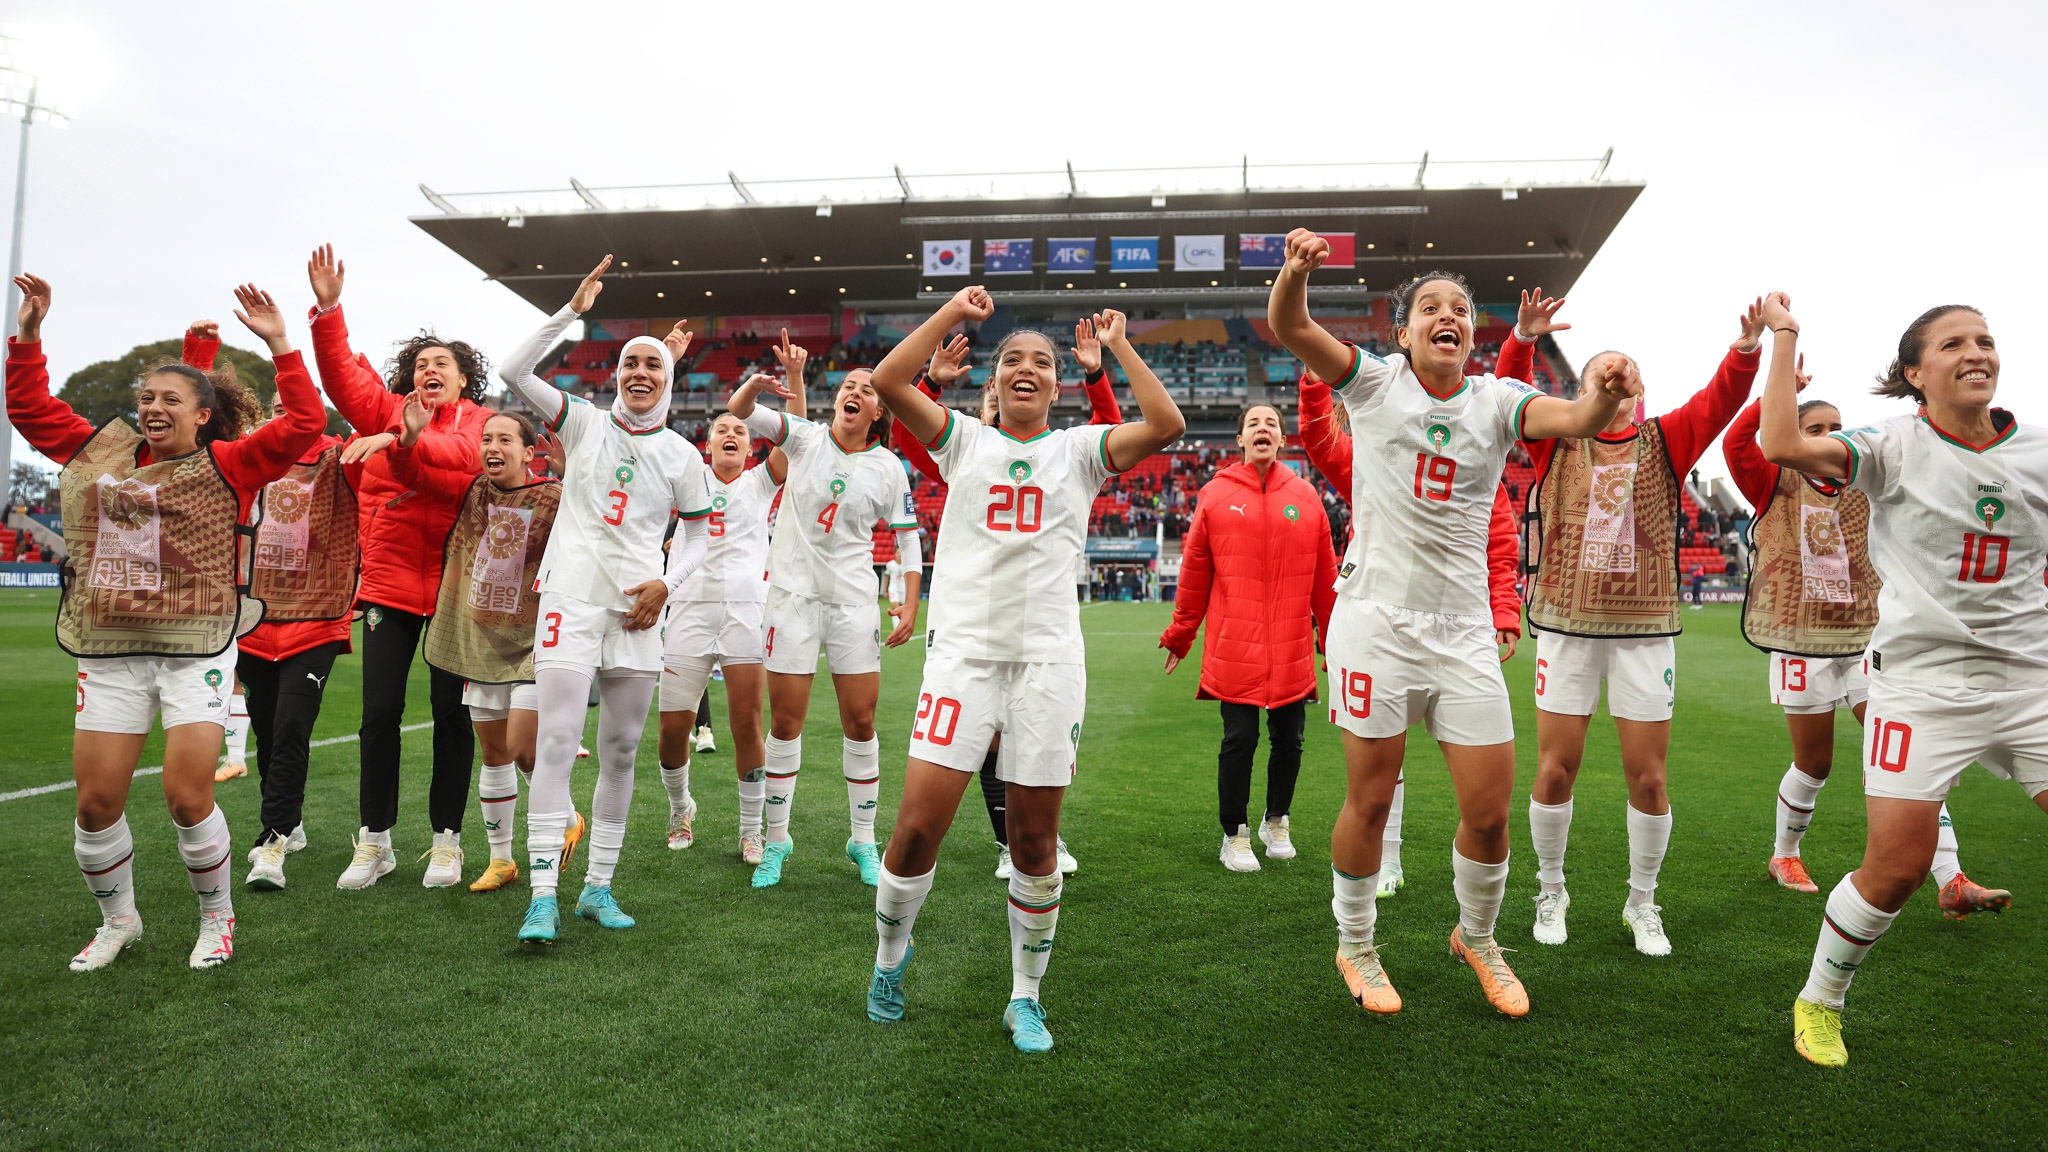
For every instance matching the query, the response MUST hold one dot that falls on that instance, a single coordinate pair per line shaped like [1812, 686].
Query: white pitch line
[25, 793]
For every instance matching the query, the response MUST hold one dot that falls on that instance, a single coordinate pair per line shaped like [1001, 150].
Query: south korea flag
[947, 257]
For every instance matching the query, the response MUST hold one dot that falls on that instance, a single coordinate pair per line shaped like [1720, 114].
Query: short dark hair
[1806, 406]
[468, 361]
[1245, 412]
[527, 435]
[1912, 342]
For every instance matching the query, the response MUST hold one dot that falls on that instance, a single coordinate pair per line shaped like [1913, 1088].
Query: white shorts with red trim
[1639, 671]
[125, 693]
[1391, 667]
[1036, 708]
[574, 633]
[798, 626]
[1917, 739]
[1817, 685]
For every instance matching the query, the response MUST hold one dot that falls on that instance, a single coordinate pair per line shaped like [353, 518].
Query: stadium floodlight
[21, 91]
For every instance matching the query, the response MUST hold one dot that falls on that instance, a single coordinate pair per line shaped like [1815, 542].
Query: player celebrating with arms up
[1410, 637]
[1958, 502]
[1005, 654]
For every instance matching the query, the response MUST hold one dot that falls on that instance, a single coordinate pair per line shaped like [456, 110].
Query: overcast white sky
[1872, 159]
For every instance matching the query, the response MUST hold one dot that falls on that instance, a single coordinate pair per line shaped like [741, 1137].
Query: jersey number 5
[717, 523]
[1433, 476]
[1026, 506]
[617, 515]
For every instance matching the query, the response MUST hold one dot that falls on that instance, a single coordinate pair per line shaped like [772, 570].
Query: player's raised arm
[1287, 309]
[1159, 420]
[1778, 435]
[1611, 382]
[895, 377]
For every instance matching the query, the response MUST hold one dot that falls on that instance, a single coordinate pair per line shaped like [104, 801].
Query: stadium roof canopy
[811, 246]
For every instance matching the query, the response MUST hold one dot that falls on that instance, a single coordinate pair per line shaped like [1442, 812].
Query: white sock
[606, 838]
[1479, 888]
[861, 762]
[544, 850]
[1390, 840]
[753, 793]
[497, 794]
[236, 730]
[1851, 926]
[1648, 837]
[380, 839]
[1946, 865]
[677, 782]
[897, 899]
[784, 758]
[1797, 794]
[107, 857]
[1355, 902]
[1034, 914]
[206, 849]
[1550, 826]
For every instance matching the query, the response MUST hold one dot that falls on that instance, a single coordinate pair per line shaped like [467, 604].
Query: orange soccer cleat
[1502, 989]
[1962, 896]
[572, 836]
[1790, 872]
[1368, 982]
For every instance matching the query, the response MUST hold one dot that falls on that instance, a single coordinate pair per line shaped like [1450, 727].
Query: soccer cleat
[680, 835]
[1237, 852]
[543, 921]
[371, 863]
[582, 753]
[596, 903]
[1068, 865]
[751, 844]
[1273, 834]
[868, 856]
[266, 863]
[445, 870]
[117, 933]
[1646, 921]
[768, 873]
[1025, 1018]
[228, 770]
[704, 741]
[1550, 909]
[1391, 879]
[1790, 872]
[1962, 896]
[571, 837]
[1817, 1033]
[1004, 868]
[1496, 979]
[216, 945]
[497, 874]
[296, 842]
[1368, 981]
[885, 991]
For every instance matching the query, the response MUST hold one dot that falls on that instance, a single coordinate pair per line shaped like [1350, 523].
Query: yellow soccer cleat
[1496, 979]
[1962, 896]
[1817, 1033]
[496, 875]
[1368, 982]
[571, 837]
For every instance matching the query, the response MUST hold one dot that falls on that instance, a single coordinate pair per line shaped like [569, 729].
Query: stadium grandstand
[848, 266]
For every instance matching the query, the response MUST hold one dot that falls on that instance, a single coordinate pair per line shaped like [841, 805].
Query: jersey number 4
[1433, 476]
[826, 517]
[1025, 506]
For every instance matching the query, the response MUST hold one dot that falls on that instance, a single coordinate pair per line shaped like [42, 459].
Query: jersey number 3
[617, 515]
[1026, 508]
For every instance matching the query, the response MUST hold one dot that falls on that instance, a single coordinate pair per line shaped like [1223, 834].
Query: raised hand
[949, 362]
[1778, 312]
[1109, 326]
[326, 273]
[1752, 323]
[1306, 251]
[1536, 316]
[415, 415]
[1087, 349]
[1799, 376]
[678, 341]
[364, 447]
[761, 382]
[792, 358]
[550, 446]
[204, 330]
[972, 303]
[35, 304]
[586, 292]
[261, 315]
[1615, 376]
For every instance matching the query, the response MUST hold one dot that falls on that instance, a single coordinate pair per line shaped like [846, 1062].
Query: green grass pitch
[1192, 1007]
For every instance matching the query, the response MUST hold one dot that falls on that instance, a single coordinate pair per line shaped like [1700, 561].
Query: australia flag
[1006, 257]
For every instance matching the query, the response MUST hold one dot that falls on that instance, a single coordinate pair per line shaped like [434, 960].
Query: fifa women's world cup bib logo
[1610, 541]
[498, 572]
[283, 539]
[1823, 557]
[125, 554]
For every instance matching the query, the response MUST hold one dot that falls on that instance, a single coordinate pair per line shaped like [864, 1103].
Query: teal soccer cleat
[543, 922]
[1026, 1021]
[597, 904]
[768, 873]
[869, 858]
[885, 991]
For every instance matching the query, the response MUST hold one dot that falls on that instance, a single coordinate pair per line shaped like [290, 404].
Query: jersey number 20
[1026, 508]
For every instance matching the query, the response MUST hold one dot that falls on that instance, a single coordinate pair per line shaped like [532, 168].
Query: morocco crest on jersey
[1814, 589]
[1609, 551]
[305, 558]
[482, 628]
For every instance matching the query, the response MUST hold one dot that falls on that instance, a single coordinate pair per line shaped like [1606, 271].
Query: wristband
[1794, 331]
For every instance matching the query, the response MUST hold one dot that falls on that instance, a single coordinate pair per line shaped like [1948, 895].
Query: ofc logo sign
[1198, 253]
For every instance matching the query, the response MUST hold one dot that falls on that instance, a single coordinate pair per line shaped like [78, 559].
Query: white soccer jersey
[736, 559]
[1016, 522]
[1423, 474]
[615, 505]
[823, 546]
[1957, 532]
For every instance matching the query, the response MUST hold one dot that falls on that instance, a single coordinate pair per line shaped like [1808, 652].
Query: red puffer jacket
[402, 532]
[1257, 564]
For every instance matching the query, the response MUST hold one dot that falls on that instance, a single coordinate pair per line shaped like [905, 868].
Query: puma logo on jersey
[1237, 508]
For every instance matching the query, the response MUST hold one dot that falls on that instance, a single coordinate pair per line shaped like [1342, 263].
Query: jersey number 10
[1026, 506]
[1433, 476]
[1977, 558]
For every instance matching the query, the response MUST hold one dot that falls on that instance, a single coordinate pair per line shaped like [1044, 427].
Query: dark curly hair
[1912, 342]
[235, 409]
[471, 363]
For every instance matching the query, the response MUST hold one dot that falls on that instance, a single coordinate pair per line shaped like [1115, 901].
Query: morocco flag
[1343, 249]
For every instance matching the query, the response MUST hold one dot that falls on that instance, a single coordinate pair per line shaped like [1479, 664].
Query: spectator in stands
[1699, 577]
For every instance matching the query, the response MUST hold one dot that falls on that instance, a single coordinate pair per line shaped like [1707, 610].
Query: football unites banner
[1006, 257]
[1070, 254]
[1198, 253]
[1134, 253]
[946, 257]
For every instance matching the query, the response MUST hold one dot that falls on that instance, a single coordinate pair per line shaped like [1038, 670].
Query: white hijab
[656, 416]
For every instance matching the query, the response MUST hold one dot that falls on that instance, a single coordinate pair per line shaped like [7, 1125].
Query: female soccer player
[821, 593]
[1959, 658]
[484, 613]
[1006, 653]
[1604, 601]
[151, 608]
[716, 620]
[401, 566]
[1812, 605]
[1410, 639]
[601, 593]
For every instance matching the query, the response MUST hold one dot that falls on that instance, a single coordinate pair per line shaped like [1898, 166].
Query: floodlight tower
[20, 92]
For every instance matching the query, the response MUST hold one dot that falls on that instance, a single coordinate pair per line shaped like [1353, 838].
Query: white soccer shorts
[1640, 672]
[493, 702]
[1918, 739]
[124, 693]
[728, 630]
[1817, 685]
[1037, 709]
[850, 634]
[1391, 667]
[572, 633]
